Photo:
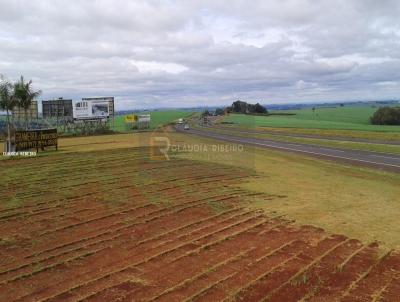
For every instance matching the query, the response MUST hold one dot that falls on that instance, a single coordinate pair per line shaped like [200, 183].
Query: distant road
[388, 162]
[312, 136]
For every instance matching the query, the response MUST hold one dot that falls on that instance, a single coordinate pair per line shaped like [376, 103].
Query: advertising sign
[91, 110]
[131, 118]
[35, 139]
[145, 118]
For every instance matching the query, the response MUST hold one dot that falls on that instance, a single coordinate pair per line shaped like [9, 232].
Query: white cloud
[152, 66]
[184, 53]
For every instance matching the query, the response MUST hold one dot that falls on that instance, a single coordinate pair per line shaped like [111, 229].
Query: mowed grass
[158, 118]
[358, 202]
[340, 118]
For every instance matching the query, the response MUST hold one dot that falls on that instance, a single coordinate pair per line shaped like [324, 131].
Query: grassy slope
[341, 118]
[357, 202]
[158, 118]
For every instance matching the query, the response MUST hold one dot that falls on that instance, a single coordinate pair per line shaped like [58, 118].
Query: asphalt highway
[312, 136]
[388, 162]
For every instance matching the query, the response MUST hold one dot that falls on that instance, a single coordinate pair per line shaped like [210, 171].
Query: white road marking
[388, 157]
[310, 152]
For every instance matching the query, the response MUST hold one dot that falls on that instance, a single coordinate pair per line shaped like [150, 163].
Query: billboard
[57, 108]
[144, 118]
[91, 110]
[108, 99]
[131, 118]
[144, 121]
[35, 139]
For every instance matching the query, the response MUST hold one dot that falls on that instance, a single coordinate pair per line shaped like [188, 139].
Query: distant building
[58, 108]
[18, 113]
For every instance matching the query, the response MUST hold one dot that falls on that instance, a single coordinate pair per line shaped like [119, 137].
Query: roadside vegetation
[386, 116]
[19, 94]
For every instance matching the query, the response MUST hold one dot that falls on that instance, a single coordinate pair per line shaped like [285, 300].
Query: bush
[386, 116]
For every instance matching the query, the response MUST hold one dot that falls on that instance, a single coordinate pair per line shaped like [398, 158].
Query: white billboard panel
[91, 110]
[144, 118]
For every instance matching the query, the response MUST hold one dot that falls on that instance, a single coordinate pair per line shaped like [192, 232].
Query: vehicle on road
[186, 127]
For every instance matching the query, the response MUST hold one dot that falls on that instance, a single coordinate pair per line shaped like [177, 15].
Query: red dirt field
[116, 226]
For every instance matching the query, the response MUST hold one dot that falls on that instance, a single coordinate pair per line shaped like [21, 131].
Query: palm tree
[25, 96]
[7, 102]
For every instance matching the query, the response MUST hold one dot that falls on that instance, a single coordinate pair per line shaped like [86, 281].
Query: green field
[158, 118]
[340, 118]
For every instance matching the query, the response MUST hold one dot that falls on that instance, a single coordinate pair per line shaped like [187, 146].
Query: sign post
[35, 139]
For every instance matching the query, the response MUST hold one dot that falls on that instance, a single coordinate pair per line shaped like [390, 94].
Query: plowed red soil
[115, 226]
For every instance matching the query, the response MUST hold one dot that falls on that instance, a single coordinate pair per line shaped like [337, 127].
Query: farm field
[147, 230]
[318, 192]
[158, 118]
[341, 118]
[125, 226]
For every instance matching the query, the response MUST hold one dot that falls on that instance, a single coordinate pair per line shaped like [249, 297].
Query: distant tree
[239, 107]
[259, 108]
[243, 107]
[219, 111]
[386, 116]
[205, 113]
[342, 105]
[7, 102]
[25, 96]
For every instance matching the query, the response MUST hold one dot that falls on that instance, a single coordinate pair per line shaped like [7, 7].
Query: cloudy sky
[195, 52]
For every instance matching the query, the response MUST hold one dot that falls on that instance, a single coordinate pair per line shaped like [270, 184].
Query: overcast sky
[187, 53]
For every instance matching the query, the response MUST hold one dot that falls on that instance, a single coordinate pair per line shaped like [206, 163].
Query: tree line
[19, 94]
[386, 116]
[246, 108]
